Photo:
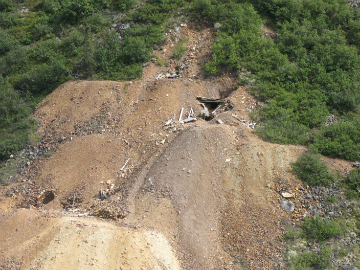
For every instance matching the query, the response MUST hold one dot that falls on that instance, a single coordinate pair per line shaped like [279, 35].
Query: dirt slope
[199, 195]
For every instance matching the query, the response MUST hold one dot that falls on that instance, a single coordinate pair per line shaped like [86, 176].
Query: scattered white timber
[168, 122]
[190, 119]
[246, 123]
[73, 201]
[123, 167]
[181, 113]
[150, 184]
[160, 76]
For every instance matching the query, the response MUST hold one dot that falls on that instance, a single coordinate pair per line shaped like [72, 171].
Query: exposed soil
[197, 195]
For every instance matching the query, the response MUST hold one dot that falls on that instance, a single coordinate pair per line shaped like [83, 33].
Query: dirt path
[200, 195]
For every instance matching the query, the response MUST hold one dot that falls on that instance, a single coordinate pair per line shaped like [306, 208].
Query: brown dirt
[212, 198]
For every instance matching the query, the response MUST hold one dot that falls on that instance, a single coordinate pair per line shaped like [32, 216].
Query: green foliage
[7, 42]
[179, 50]
[320, 229]
[44, 78]
[14, 121]
[8, 20]
[352, 183]
[59, 40]
[341, 139]
[308, 71]
[283, 129]
[14, 61]
[6, 5]
[312, 260]
[310, 169]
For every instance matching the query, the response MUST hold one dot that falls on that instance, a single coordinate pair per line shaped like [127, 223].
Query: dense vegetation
[43, 43]
[309, 70]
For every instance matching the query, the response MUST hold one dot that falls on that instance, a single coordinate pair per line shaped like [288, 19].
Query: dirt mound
[171, 195]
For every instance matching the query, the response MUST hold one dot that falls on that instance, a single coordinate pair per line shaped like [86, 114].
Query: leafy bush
[310, 169]
[283, 129]
[7, 42]
[352, 182]
[340, 139]
[14, 122]
[15, 61]
[307, 71]
[312, 260]
[320, 229]
[8, 20]
[6, 5]
[179, 50]
[44, 78]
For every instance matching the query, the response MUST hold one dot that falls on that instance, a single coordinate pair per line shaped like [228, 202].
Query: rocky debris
[331, 119]
[356, 164]
[108, 210]
[33, 195]
[354, 3]
[288, 206]
[347, 267]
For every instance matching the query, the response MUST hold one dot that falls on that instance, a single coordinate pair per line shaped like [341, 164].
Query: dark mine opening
[213, 107]
[48, 197]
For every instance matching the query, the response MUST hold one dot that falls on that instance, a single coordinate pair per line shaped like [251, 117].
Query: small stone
[308, 196]
[220, 122]
[288, 206]
[287, 195]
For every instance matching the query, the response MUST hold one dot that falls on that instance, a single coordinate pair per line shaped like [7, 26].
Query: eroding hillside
[116, 188]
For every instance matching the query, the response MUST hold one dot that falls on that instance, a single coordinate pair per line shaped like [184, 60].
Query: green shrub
[6, 5]
[15, 60]
[44, 78]
[44, 51]
[14, 121]
[98, 21]
[312, 260]
[340, 139]
[283, 129]
[352, 182]
[123, 5]
[49, 6]
[179, 50]
[7, 42]
[310, 169]
[8, 20]
[320, 230]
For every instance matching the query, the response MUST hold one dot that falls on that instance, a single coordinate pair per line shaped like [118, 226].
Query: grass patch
[179, 49]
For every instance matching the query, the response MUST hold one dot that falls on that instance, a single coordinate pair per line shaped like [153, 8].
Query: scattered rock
[348, 267]
[288, 206]
[287, 195]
